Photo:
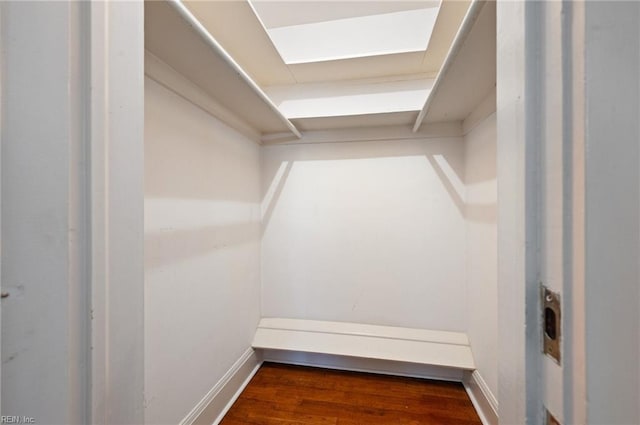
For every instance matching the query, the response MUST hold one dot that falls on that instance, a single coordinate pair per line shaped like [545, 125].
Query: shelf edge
[465, 28]
[184, 12]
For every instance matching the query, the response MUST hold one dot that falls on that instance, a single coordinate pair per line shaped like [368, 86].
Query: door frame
[116, 180]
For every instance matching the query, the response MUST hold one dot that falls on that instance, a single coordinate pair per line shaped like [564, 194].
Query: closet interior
[333, 211]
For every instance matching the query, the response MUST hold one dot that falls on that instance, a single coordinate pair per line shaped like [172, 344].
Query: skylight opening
[354, 37]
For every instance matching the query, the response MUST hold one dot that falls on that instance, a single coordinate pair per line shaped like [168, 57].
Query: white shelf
[426, 347]
[174, 35]
[468, 75]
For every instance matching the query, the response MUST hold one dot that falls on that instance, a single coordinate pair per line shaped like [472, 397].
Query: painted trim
[574, 346]
[2, 143]
[217, 402]
[451, 129]
[482, 398]
[353, 364]
[115, 159]
[98, 164]
[359, 329]
[518, 160]
[425, 347]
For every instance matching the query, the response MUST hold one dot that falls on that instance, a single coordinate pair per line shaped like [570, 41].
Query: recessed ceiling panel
[400, 64]
[356, 121]
[235, 25]
[349, 98]
[274, 13]
[362, 36]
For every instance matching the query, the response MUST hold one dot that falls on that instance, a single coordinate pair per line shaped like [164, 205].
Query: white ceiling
[362, 36]
[237, 28]
[310, 32]
[276, 14]
[349, 97]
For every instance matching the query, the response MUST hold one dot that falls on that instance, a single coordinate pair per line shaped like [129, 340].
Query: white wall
[369, 232]
[482, 250]
[202, 252]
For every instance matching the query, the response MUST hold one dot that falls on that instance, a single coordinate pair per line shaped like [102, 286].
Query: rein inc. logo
[17, 420]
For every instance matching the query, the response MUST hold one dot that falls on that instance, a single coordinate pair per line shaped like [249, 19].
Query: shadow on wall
[202, 252]
[202, 191]
[271, 196]
[438, 153]
[482, 213]
[366, 232]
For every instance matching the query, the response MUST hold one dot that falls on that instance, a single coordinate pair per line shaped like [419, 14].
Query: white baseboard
[357, 364]
[482, 398]
[217, 402]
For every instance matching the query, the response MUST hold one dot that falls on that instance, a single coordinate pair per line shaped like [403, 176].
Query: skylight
[358, 30]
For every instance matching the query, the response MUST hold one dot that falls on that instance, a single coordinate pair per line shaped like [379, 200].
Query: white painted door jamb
[518, 162]
[1, 112]
[116, 220]
[573, 344]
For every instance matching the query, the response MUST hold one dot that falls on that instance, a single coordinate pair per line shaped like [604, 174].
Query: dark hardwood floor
[284, 394]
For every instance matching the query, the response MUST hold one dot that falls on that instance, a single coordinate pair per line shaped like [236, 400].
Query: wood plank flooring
[284, 394]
